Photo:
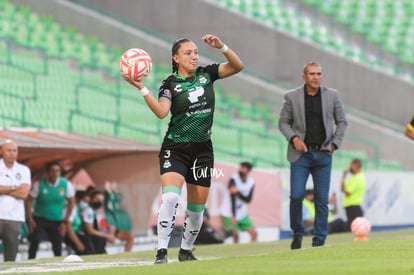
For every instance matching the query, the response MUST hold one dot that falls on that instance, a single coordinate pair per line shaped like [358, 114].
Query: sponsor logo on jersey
[195, 94]
[178, 88]
[166, 93]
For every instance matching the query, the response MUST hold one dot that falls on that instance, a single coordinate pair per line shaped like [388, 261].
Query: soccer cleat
[296, 242]
[186, 255]
[161, 257]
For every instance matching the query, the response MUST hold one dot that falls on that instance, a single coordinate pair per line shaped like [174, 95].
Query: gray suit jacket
[292, 121]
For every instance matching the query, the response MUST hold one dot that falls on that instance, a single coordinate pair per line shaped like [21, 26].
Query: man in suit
[307, 121]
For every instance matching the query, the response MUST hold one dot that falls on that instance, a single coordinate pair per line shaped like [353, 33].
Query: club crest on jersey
[167, 164]
[202, 79]
[18, 176]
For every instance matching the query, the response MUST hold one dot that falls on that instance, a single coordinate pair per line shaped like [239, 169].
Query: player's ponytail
[174, 51]
[174, 66]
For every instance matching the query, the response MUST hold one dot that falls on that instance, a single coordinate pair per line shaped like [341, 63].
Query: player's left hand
[213, 41]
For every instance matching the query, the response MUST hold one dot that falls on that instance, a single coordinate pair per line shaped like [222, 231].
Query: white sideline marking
[59, 266]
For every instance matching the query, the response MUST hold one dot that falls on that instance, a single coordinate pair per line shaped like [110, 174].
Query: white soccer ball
[360, 226]
[135, 63]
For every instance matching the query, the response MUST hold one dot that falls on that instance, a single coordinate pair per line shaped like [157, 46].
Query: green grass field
[390, 252]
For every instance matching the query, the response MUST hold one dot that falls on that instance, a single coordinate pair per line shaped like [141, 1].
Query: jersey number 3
[194, 95]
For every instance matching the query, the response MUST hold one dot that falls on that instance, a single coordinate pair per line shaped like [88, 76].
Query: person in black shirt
[210, 234]
[307, 120]
[234, 207]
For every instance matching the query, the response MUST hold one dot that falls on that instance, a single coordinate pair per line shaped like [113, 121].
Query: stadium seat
[72, 83]
[382, 22]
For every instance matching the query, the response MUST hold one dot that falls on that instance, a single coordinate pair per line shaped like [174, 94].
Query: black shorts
[194, 161]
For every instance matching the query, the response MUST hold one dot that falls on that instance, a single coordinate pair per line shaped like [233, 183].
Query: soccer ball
[135, 63]
[360, 227]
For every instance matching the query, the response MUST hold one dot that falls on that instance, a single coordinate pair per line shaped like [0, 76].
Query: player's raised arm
[233, 64]
[159, 107]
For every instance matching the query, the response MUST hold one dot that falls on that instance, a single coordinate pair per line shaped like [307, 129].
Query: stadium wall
[392, 145]
[139, 182]
[272, 53]
[387, 201]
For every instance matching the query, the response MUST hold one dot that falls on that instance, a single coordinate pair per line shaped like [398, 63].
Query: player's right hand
[136, 83]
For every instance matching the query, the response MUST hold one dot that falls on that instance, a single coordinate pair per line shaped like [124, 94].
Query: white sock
[192, 225]
[166, 218]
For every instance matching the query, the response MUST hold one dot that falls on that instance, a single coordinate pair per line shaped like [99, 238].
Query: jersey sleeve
[247, 198]
[73, 214]
[70, 190]
[26, 176]
[351, 185]
[87, 215]
[231, 183]
[165, 90]
[35, 190]
[213, 71]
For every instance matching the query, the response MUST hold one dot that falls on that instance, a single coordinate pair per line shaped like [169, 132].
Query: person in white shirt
[15, 180]
[234, 208]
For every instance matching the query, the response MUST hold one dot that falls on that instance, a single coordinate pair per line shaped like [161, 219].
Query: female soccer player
[186, 153]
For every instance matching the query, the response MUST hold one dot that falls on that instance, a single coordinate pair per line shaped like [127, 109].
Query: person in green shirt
[48, 220]
[186, 155]
[354, 190]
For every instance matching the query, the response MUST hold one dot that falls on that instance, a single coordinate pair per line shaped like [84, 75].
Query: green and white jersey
[50, 198]
[192, 104]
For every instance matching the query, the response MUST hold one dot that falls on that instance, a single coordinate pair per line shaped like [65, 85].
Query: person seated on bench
[94, 239]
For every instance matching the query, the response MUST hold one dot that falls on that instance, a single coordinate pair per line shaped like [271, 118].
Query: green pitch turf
[389, 252]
